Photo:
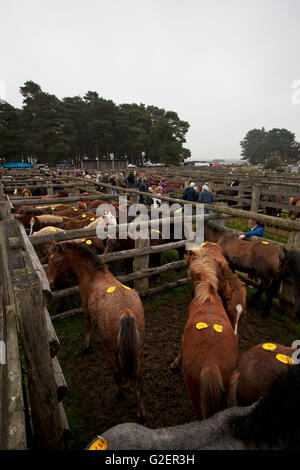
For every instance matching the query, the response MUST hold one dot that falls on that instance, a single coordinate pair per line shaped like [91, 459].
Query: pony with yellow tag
[268, 261]
[257, 369]
[209, 344]
[108, 305]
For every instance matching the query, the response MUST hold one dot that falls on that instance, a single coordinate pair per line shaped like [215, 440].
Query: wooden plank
[35, 262]
[52, 336]
[42, 387]
[16, 429]
[64, 422]
[61, 384]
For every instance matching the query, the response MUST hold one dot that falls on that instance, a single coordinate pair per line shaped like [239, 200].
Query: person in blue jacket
[257, 229]
[206, 197]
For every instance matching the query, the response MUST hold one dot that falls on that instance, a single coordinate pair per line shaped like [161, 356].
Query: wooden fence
[32, 413]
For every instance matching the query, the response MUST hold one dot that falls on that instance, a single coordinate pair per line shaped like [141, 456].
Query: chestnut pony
[209, 345]
[257, 369]
[230, 289]
[109, 305]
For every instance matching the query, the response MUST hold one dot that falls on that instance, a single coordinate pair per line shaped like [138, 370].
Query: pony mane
[203, 265]
[48, 218]
[86, 252]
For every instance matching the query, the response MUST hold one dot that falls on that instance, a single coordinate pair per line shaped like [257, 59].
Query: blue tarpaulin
[17, 165]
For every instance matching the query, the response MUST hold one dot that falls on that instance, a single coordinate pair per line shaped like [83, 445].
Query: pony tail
[128, 339]
[211, 390]
[232, 388]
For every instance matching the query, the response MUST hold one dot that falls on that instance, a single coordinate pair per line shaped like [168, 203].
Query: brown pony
[209, 345]
[230, 289]
[294, 201]
[114, 309]
[257, 369]
[264, 259]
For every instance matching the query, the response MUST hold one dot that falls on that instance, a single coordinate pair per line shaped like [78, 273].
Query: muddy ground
[90, 404]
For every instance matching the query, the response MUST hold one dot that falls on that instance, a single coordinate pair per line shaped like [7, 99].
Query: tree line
[48, 129]
[260, 145]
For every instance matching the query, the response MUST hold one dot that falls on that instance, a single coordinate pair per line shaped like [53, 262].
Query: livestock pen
[89, 402]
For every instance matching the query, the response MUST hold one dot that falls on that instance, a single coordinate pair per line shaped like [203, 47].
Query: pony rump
[127, 342]
[274, 422]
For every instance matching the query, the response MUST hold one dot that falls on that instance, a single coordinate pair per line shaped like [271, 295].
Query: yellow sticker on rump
[201, 325]
[83, 215]
[98, 444]
[52, 208]
[269, 346]
[218, 328]
[111, 289]
[126, 287]
[265, 243]
[92, 218]
[88, 242]
[53, 230]
[285, 359]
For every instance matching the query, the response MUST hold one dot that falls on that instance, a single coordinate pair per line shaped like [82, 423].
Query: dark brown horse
[263, 259]
[209, 345]
[108, 305]
[257, 369]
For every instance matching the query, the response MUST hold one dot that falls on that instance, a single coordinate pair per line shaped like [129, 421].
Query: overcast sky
[225, 66]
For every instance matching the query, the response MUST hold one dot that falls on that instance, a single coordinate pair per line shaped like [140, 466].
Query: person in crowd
[206, 197]
[256, 228]
[144, 187]
[113, 181]
[122, 180]
[87, 175]
[189, 194]
[131, 179]
[163, 183]
[139, 183]
[151, 182]
[98, 177]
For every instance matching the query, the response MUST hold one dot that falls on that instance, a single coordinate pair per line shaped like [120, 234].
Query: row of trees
[259, 145]
[49, 129]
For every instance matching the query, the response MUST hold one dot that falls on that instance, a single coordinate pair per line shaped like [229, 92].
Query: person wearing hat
[190, 194]
[257, 229]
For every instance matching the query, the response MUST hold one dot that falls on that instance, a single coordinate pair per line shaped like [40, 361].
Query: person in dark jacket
[131, 180]
[189, 194]
[144, 188]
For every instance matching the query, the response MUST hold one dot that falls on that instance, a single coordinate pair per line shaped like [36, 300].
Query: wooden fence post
[139, 263]
[42, 386]
[255, 196]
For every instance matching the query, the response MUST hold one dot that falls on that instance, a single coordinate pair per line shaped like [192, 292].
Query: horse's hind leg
[177, 361]
[270, 294]
[88, 333]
